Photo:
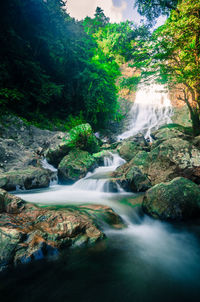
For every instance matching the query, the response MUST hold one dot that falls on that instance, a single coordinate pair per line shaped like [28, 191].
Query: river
[147, 261]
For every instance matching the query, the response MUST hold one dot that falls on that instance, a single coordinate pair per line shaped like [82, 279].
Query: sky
[116, 10]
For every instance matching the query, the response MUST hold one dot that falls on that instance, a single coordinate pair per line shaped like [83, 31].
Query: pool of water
[146, 261]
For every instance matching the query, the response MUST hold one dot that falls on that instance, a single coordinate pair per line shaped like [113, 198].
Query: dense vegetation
[49, 66]
[55, 70]
[172, 54]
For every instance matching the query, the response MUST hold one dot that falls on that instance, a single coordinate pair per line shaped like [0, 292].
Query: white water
[94, 187]
[99, 179]
[151, 109]
[47, 166]
[150, 242]
[146, 247]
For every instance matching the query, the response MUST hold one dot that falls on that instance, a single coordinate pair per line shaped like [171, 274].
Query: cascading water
[151, 109]
[138, 263]
[99, 179]
[47, 166]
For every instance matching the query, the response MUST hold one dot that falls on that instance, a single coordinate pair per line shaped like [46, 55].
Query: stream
[147, 261]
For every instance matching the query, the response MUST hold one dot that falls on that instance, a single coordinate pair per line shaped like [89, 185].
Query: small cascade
[151, 109]
[47, 166]
[99, 179]
[54, 177]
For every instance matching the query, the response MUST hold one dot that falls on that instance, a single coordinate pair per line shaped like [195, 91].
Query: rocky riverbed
[166, 171]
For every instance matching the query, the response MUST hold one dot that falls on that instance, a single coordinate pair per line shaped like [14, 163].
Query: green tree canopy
[50, 67]
[152, 9]
[173, 55]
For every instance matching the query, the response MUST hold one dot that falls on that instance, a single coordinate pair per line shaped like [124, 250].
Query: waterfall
[151, 109]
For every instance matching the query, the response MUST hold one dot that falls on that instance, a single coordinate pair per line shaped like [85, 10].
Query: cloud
[80, 9]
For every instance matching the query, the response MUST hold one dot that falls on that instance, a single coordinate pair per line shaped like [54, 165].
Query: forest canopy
[54, 68]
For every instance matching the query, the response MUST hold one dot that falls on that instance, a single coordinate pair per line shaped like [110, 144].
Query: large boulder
[22, 147]
[130, 147]
[29, 233]
[174, 157]
[79, 137]
[57, 153]
[173, 153]
[75, 166]
[131, 178]
[30, 178]
[175, 200]
[82, 137]
[170, 131]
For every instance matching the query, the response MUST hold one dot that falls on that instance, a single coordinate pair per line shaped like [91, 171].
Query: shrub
[82, 137]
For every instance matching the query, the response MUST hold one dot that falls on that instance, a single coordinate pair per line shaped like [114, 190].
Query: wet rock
[175, 200]
[56, 154]
[30, 178]
[102, 157]
[168, 132]
[75, 166]
[105, 214]
[29, 233]
[131, 178]
[172, 154]
[174, 157]
[130, 147]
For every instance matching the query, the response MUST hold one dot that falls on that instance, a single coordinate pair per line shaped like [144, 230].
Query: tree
[173, 55]
[50, 68]
[152, 9]
[101, 19]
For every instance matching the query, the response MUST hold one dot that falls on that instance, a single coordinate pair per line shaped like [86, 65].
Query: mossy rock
[56, 154]
[31, 178]
[75, 166]
[178, 199]
[128, 150]
[80, 137]
[100, 156]
[131, 178]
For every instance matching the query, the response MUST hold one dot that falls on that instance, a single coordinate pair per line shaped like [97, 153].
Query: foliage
[82, 137]
[116, 40]
[130, 83]
[178, 55]
[173, 56]
[73, 121]
[50, 68]
[154, 8]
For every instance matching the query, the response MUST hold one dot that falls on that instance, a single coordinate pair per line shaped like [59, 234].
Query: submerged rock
[29, 233]
[75, 166]
[30, 178]
[175, 200]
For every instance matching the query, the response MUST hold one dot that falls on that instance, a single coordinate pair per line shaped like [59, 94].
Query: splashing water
[151, 109]
[99, 179]
[47, 166]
